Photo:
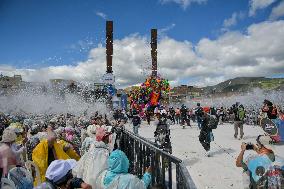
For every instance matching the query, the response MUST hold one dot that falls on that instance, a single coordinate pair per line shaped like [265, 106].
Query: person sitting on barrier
[117, 176]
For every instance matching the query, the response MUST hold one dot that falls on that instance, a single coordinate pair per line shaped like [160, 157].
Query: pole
[109, 45]
[109, 53]
[154, 51]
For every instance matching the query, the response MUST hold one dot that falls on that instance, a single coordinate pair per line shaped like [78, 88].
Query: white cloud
[162, 31]
[232, 21]
[183, 3]
[101, 14]
[258, 52]
[277, 11]
[258, 4]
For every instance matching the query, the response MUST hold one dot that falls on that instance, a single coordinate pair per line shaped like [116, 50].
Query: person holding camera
[263, 162]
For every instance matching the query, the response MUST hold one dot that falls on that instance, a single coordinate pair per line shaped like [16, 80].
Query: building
[61, 83]
[10, 84]
[183, 92]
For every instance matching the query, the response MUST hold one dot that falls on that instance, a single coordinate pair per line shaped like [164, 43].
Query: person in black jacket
[183, 114]
[116, 115]
[148, 116]
[172, 114]
[198, 114]
[136, 121]
[204, 137]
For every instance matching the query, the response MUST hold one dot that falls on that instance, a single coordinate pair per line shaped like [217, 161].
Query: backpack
[162, 126]
[199, 111]
[21, 178]
[241, 114]
[136, 120]
[212, 122]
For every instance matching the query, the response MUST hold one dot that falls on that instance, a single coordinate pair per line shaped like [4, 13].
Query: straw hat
[8, 136]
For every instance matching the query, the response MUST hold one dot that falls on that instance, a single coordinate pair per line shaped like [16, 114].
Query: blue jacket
[118, 165]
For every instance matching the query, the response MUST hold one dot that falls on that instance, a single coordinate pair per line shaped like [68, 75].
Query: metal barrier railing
[143, 153]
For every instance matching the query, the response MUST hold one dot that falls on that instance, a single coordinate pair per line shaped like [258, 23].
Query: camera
[249, 146]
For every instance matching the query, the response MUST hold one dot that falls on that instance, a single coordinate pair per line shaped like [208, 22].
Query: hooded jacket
[117, 176]
[40, 156]
[92, 163]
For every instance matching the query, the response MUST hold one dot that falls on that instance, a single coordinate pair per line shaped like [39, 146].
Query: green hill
[245, 84]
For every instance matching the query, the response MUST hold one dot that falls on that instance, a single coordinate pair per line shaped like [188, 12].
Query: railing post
[163, 171]
[153, 167]
[158, 168]
[140, 160]
[170, 174]
[178, 176]
[144, 157]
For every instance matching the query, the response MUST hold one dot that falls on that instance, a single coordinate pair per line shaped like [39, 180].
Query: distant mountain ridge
[245, 84]
[235, 85]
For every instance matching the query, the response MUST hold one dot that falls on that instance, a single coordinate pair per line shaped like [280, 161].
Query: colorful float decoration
[149, 93]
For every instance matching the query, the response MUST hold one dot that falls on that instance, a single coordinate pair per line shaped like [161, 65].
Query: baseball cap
[265, 141]
[58, 169]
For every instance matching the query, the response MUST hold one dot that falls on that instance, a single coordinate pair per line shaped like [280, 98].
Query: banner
[274, 128]
[123, 100]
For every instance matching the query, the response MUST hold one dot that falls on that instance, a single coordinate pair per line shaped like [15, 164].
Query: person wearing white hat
[59, 175]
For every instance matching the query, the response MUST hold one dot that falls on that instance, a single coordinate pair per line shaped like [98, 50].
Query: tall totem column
[109, 45]
[154, 52]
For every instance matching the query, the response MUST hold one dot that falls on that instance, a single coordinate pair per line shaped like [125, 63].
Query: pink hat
[100, 133]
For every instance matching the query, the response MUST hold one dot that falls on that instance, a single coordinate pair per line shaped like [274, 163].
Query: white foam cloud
[164, 30]
[183, 3]
[102, 15]
[277, 11]
[258, 52]
[255, 5]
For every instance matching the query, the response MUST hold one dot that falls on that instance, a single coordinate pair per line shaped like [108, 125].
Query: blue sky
[41, 33]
